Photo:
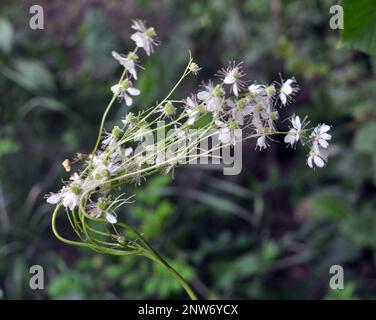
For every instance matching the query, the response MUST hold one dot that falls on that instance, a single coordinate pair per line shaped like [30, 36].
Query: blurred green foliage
[271, 232]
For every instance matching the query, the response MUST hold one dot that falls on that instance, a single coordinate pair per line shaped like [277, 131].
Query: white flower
[124, 89]
[71, 197]
[53, 198]
[192, 110]
[226, 133]
[316, 157]
[144, 37]
[288, 88]
[194, 68]
[128, 62]
[296, 131]
[240, 110]
[232, 75]
[321, 136]
[106, 167]
[256, 89]
[101, 209]
[111, 138]
[212, 97]
[261, 142]
[111, 218]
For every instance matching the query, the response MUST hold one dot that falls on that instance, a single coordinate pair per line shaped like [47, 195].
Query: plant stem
[154, 255]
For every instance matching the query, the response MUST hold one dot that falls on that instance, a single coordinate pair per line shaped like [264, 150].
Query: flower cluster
[227, 110]
[230, 104]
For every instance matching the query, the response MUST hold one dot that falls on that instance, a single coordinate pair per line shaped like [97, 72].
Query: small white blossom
[111, 138]
[321, 136]
[53, 198]
[296, 131]
[192, 110]
[194, 68]
[256, 89]
[288, 88]
[316, 157]
[144, 37]
[128, 62]
[232, 75]
[125, 90]
[261, 142]
[240, 109]
[212, 97]
[226, 133]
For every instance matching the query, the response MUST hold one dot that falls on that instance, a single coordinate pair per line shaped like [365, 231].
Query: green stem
[154, 255]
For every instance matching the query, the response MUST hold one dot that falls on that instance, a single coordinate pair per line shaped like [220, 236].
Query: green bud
[260, 106]
[270, 90]
[125, 84]
[116, 132]
[169, 109]
[201, 108]
[131, 56]
[150, 32]
[242, 103]
[274, 115]
[76, 189]
[218, 91]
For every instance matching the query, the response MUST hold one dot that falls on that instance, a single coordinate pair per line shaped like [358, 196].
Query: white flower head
[192, 110]
[194, 68]
[144, 37]
[128, 62]
[321, 136]
[125, 90]
[226, 132]
[261, 142]
[111, 138]
[232, 75]
[296, 131]
[316, 157]
[257, 90]
[101, 208]
[212, 97]
[240, 109]
[287, 90]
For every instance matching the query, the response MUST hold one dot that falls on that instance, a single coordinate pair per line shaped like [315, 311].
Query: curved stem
[105, 115]
[154, 255]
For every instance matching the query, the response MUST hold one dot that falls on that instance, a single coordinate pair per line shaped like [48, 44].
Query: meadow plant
[170, 133]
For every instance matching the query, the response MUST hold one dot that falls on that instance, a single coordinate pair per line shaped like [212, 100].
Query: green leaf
[6, 35]
[365, 139]
[360, 24]
[64, 286]
[32, 75]
[330, 205]
[7, 146]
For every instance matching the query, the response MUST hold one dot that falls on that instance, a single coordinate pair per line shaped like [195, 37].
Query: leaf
[7, 146]
[360, 24]
[31, 74]
[6, 35]
[361, 227]
[331, 205]
[365, 139]
[64, 286]
[46, 103]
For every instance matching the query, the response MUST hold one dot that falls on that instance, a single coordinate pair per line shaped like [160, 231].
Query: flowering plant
[228, 112]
